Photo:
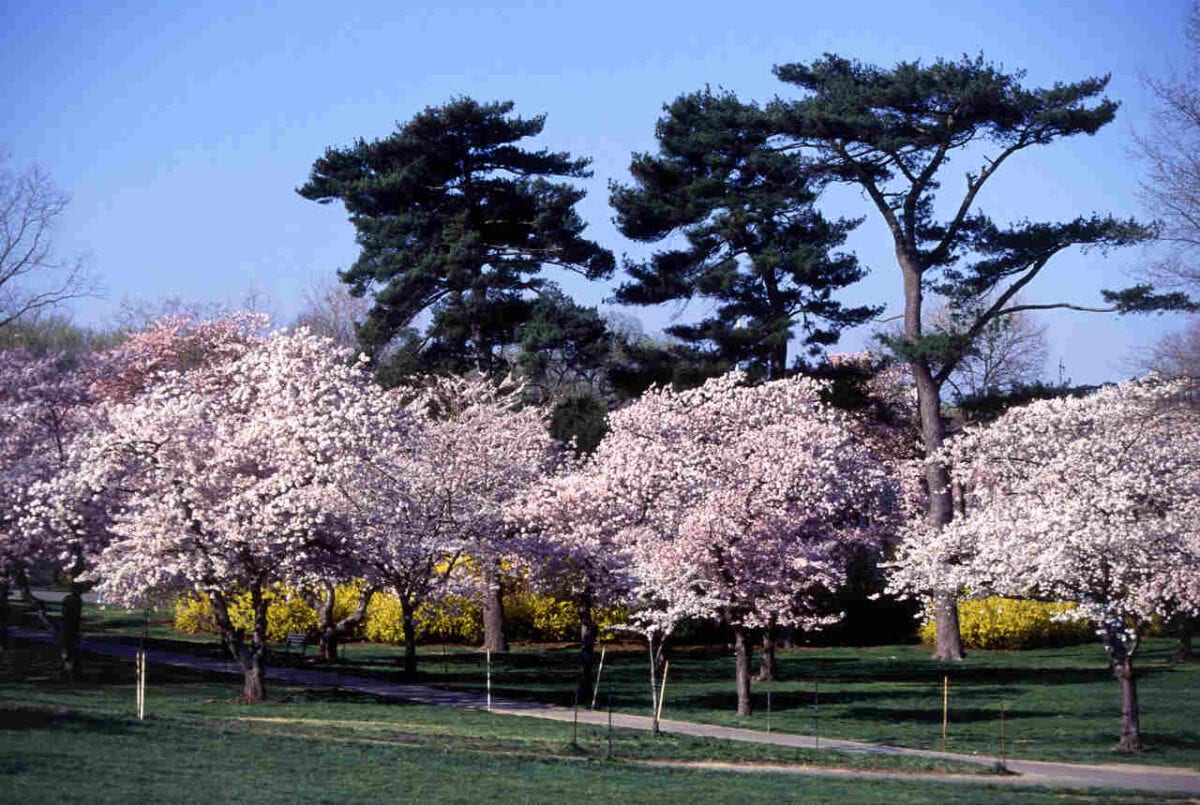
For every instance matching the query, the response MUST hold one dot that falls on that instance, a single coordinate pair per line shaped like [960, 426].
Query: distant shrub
[1009, 623]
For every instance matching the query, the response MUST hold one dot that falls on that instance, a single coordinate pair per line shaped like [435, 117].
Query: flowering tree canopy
[231, 471]
[733, 501]
[1092, 500]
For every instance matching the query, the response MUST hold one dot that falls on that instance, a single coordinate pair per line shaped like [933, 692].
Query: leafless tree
[331, 310]
[33, 278]
[1170, 150]
[1008, 352]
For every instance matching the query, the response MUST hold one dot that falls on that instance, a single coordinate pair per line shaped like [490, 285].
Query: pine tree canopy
[755, 245]
[456, 220]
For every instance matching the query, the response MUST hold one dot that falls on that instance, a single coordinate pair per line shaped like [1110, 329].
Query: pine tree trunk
[494, 639]
[408, 612]
[933, 433]
[1131, 734]
[587, 648]
[741, 658]
[768, 668]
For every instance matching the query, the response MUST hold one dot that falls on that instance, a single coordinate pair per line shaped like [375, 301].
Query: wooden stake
[610, 725]
[575, 721]
[489, 680]
[1003, 760]
[768, 710]
[663, 691]
[600, 670]
[945, 709]
[816, 712]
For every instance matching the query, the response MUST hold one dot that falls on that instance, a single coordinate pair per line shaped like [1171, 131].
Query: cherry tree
[483, 449]
[232, 472]
[737, 502]
[1092, 500]
[45, 411]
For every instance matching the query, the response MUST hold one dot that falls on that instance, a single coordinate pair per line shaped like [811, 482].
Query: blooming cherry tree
[232, 472]
[737, 502]
[1093, 500]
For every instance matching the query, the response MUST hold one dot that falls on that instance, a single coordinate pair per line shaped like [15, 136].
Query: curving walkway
[1026, 772]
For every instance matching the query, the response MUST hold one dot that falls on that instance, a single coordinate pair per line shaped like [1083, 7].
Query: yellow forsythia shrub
[1009, 623]
[453, 619]
[287, 612]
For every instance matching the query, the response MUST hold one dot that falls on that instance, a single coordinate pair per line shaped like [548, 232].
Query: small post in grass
[816, 712]
[662, 691]
[600, 670]
[610, 725]
[140, 683]
[1003, 759]
[575, 720]
[768, 709]
[945, 709]
[489, 680]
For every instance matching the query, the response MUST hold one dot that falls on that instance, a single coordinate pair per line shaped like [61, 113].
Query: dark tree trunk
[1131, 732]
[933, 433]
[250, 655]
[329, 631]
[72, 620]
[494, 639]
[587, 648]
[1183, 651]
[949, 639]
[768, 668]
[5, 614]
[741, 658]
[408, 612]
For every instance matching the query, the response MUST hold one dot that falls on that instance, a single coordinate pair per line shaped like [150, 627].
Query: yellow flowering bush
[287, 612]
[1009, 623]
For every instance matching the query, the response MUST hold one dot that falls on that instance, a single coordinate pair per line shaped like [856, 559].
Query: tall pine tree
[755, 245]
[456, 221]
[893, 133]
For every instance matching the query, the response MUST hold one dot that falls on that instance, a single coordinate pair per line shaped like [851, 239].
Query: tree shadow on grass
[22, 717]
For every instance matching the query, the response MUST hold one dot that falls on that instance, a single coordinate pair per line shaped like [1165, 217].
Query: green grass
[31, 690]
[1062, 703]
[62, 742]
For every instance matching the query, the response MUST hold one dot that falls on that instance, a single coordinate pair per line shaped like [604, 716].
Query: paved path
[1027, 772]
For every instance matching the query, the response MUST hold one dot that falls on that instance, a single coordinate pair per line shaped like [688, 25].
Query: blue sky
[181, 129]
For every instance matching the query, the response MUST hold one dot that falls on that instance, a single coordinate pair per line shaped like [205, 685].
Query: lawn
[1061, 704]
[60, 742]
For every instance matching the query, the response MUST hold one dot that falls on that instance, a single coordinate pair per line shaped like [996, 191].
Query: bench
[294, 640]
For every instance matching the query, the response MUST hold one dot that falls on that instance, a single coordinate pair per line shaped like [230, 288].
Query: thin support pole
[599, 671]
[662, 691]
[575, 721]
[945, 709]
[816, 713]
[768, 710]
[1003, 759]
[610, 725]
[489, 680]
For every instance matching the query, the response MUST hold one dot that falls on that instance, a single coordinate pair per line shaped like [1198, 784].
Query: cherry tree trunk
[1183, 651]
[72, 619]
[1131, 734]
[494, 639]
[249, 655]
[408, 612]
[768, 667]
[327, 631]
[741, 658]
[5, 614]
[587, 648]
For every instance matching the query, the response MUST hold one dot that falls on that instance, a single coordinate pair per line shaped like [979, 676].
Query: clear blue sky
[182, 129]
